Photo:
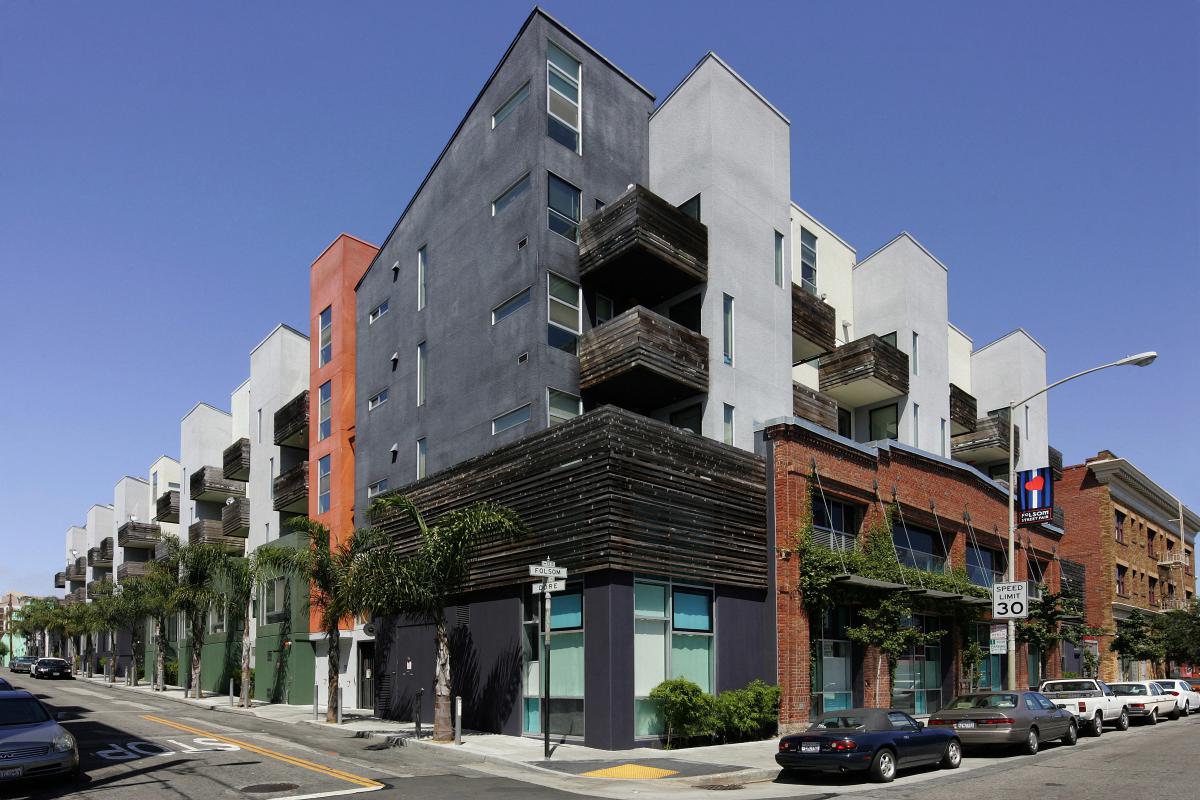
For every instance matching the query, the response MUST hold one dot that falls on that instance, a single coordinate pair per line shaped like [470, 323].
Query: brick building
[1137, 544]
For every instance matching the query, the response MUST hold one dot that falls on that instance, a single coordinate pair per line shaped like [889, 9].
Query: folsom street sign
[1035, 496]
[1010, 600]
[547, 570]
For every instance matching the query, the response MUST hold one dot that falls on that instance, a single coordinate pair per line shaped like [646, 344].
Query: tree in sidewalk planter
[160, 581]
[195, 595]
[1091, 663]
[3, 651]
[1137, 639]
[973, 654]
[132, 602]
[887, 625]
[246, 577]
[1179, 632]
[1052, 620]
[421, 583]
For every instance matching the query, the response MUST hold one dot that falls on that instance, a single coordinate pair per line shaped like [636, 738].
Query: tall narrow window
[422, 266]
[916, 425]
[727, 426]
[605, 310]
[845, 423]
[325, 410]
[778, 258]
[563, 311]
[422, 373]
[563, 201]
[510, 105]
[563, 123]
[510, 194]
[883, 423]
[916, 356]
[325, 337]
[1026, 422]
[942, 437]
[258, 425]
[727, 329]
[808, 261]
[420, 458]
[323, 485]
[562, 406]
[271, 475]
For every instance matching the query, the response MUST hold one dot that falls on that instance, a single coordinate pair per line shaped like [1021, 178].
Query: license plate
[964, 725]
[810, 747]
[11, 773]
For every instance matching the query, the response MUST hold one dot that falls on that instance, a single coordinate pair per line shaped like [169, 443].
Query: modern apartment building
[1138, 544]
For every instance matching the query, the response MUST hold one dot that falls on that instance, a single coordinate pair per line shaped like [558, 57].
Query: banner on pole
[1035, 496]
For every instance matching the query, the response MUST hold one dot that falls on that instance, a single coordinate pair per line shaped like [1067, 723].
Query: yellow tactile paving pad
[631, 772]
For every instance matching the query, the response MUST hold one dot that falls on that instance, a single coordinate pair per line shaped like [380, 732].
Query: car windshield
[52, 662]
[1069, 686]
[1129, 688]
[983, 701]
[838, 722]
[22, 711]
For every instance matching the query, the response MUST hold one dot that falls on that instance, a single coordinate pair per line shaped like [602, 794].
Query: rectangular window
[728, 424]
[325, 340]
[518, 416]
[845, 423]
[563, 310]
[727, 328]
[422, 265]
[562, 406]
[377, 312]
[984, 566]
[690, 418]
[834, 523]
[916, 358]
[916, 425]
[673, 638]
[259, 426]
[510, 105]
[377, 488]
[422, 373]
[274, 602]
[884, 423]
[420, 458]
[563, 123]
[510, 194]
[566, 662]
[1119, 526]
[323, 485]
[216, 615]
[1121, 580]
[325, 410]
[808, 261]
[605, 310]
[778, 258]
[942, 439]
[511, 305]
[154, 485]
[378, 400]
[563, 202]
[889, 338]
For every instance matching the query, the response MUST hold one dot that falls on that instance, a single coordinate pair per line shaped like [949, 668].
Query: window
[919, 548]
[422, 264]
[378, 400]
[916, 425]
[605, 310]
[325, 339]
[154, 485]
[216, 615]
[562, 406]
[511, 193]
[563, 310]
[728, 424]
[271, 474]
[691, 208]
[512, 419]
[834, 523]
[325, 410]
[511, 305]
[259, 426]
[808, 261]
[378, 312]
[274, 602]
[916, 687]
[884, 423]
[1027, 423]
[833, 672]
[566, 662]
[1119, 526]
[727, 328]
[1151, 544]
[1121, 580]
[420, 458]
[377, 488]
[563, 201]
[422, 370]
[778, 258]
[323, 485]
[672, 638]
[510, 105]
[942, 439]
[563, 123]
[890, 338]
[916, 364]
[690, 418]
[845, 423]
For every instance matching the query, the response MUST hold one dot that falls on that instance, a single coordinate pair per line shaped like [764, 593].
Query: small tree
[195, 595]
[1091, 663]
[686, 709]
[1178, 631]
[973, 655]
[1052, 620]
[886, 625]
[1136, 639]
[246, 576]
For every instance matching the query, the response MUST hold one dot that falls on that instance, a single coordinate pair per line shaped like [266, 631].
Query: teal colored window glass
[566, 612]
[566, 665]
[692, 611]
[649, 600]
[691, 658]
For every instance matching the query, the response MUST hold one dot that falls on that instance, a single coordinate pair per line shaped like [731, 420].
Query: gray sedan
[1020, 718]
[32, 744]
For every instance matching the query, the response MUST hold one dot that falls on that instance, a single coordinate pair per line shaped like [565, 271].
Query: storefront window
[992, 667]
[672, 638]
[917, 687]
[566, 663]
[1034, 665]
[832, 670]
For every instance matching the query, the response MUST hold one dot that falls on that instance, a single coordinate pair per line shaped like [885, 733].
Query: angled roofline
[898, 237]
[338, 238]
[961, 332]
[824, 227]
[130, 478]
[275, 330]
[161, 457]
[1106, 469]
[713, 56]
[192, 410]
[538, 11]
[1013, 332]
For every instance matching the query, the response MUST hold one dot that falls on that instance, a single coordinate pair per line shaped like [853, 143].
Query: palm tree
[131, 603]
[195, 595]
[246, 576]
[160, 582]
[421, 584]
[331, 573]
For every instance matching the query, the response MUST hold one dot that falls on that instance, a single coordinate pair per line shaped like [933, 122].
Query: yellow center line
[262, 751]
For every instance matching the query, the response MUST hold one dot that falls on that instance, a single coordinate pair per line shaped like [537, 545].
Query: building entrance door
[366, 674]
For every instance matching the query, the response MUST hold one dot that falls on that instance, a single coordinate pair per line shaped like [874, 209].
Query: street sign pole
[546, 693]
[554, 579]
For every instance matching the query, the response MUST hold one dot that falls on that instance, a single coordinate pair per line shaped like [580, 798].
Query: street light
[1139, 360]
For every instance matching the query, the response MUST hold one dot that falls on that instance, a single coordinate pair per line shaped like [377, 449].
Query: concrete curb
[163, 696]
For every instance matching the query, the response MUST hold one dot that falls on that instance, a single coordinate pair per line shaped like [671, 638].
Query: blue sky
[169, 171]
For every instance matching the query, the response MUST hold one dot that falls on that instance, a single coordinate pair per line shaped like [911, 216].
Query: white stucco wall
[167, 471]
[204, 433]
[835, 267]
[77, 540]
[959, 347]
[99, 525]
[1009, 369]
[131, 499]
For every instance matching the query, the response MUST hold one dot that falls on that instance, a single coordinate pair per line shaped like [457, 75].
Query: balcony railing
[988, 443]
[291, 490]
[76, 596]
[867, 370]
[93, 554]
[1172, 558]
[208, 531]
[98, 587]
[138, 535]
[236, 460]
[921, 560]
[132, 569]
[60, 580]
[166, 507]
[1172, 603]
[962, 411]
[814, 406]
[161, 551]
[641, 360]
[235, 518]
[640, 241]
[291, 422]
[77, 572]
[814, 325]
[210, 484]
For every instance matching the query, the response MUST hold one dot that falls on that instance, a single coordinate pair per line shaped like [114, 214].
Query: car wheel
[1153, 718]
[1174, 713]
[953, 755]
[1030, 747]
[1187, 708]
[1072, 734]
[883, 767]
[1097, 726]
[1123, 720]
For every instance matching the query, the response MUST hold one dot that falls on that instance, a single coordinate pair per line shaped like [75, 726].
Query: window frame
[728, 423]
[324, 473]
[550, 417]
[422, 373]
[728, 328]
[527, 408]
[511, 192]
[809, 263]
[377, 312]
[577, 82]
[508, 308]
[377, 488]
[377, 399]
[422, 275]
[780, 241]
[895, 407]
[578, 308]
[552, 212]
[422, 457]
[325, 410]
[325, 336]
[505, 110]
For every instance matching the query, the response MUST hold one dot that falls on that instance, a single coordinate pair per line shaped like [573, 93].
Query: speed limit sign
[1010, 600]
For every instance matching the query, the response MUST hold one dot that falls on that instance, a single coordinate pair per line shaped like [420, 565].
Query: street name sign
[1010, 600]
[549, 586]
[546, 569]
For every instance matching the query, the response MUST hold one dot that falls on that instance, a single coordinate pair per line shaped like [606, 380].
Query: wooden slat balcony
[814, 325]
[963, 411]
[291, 490]
[1055, 459]
[641, 360]
[641, 244]
[77, 571]
[132, 569]
[161, 551]
[291, 422]
[106, 551]
[76, 596]
[210, 484]
[236, 460]
[98, 587]
[235, 518]
[166, 507]
[92, 554]
[209, 531]
[60, 580]
[139, 535]
[988, 443]
[867, 370]
[813, 406]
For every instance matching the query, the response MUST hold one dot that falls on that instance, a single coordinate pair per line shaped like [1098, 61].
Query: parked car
[1193, 682]
[1187, 699]
[1146, 700]
[5, 686]
[878, 741]
[21, 663]
[1092, 702]
[32, 743]
[1021, 718]
[51, 668]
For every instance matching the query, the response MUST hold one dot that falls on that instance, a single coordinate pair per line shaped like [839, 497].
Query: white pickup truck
[1092, 702]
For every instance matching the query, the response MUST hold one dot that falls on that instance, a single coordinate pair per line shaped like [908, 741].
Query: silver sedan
[32, 743]
[1007, 718]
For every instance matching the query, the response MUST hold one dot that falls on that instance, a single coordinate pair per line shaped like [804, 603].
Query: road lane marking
[365, 783]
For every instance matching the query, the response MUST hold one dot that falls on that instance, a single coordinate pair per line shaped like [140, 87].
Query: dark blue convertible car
[876, 740]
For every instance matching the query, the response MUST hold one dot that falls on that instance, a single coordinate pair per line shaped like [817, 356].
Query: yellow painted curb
[631, 772]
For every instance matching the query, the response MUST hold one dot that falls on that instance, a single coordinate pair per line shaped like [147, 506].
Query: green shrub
[686, 709]
[749, 713]
[171, 672]
[735, 715]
